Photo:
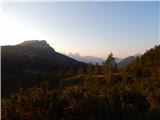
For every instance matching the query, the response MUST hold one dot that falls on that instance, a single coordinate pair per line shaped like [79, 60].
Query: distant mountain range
[121, 62]
[89, 59]
[86, 59]
[38, 55]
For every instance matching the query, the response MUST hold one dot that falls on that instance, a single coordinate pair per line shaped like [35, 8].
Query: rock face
[36, 44]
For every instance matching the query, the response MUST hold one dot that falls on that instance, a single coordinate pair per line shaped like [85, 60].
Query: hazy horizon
[87, 28]
[79, 54]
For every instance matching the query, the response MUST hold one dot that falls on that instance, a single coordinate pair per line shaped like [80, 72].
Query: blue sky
[89, 28]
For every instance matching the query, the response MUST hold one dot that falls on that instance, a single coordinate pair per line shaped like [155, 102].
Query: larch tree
[108, 67]
[89, 69]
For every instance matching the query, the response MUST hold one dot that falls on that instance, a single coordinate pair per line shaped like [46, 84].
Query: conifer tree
[89, 69]
[96, 69]
[108, 67]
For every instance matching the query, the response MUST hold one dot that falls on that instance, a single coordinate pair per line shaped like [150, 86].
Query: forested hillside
[95, 93]
[28, 63]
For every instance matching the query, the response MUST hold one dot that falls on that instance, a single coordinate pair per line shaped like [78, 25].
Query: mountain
[128, 60]
[34, 55]
[117, 60]
[86, 59]
[90, 59]
[32, 61]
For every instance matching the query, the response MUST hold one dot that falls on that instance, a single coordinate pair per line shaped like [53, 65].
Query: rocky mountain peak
[30, 42]
[36, 44]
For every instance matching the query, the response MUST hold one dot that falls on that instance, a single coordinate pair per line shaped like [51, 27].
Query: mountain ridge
[121, 62]
[90, 59]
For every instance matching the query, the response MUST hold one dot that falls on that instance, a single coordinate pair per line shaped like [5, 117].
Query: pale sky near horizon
[88, 28]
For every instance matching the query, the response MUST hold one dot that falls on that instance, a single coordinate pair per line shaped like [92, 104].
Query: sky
[88, 28]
